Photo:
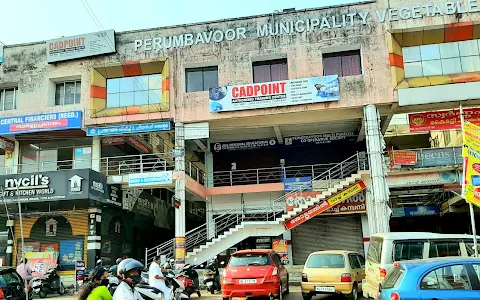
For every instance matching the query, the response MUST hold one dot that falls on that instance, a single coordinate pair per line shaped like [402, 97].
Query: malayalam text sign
[324, 205]
[274, 94]
[41, 122]
[442, 119]
[471, 151]
[406, 158]
[297, 184]
[83, 45]
[136, 128]
[152, 178]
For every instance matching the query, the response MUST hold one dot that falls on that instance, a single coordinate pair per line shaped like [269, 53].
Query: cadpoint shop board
[324, 205]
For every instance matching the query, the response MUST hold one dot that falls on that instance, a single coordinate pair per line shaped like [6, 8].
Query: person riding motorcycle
[129, 271]
[213, 266]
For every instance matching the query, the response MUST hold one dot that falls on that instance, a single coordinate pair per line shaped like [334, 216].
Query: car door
[355, 268]
[361, 260]
[453, 281]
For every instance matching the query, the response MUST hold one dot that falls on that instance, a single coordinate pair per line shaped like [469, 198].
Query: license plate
[328, 289]
[247, 281]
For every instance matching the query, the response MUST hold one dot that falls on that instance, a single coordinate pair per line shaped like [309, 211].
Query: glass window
[394, 278]
[271, 70]
[354, 263]
[245, 260]
[135, 90]
[447, 278]
[8, 99]
[326, 261]
[67, 93]
[476, 269]
[276, 259]
[442, 249]
[347, 63]
[361, 259]
[375, 250]
[408, 250]
[201, 79]
[10, 277]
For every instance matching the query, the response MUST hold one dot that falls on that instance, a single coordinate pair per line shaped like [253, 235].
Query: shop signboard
[195, 131]
[281, 248]
[471, 153]
[422, 179]
[150, 178]
[353, 205]
[406, 158]
[324, 205]
[442, 119]
[70, 252]
[41, 122]
[84, 45]
[274, 94]
[422, 211]
[41, 262]
[398, 212]
[301, 140]
[297, 184]
[295, 199]
[124, 129]
[436, 157]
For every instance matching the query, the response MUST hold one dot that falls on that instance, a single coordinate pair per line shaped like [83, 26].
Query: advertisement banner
[274, 94]
[41, 262]
[297, 183]
[180, 250]
[70, 252]
[471, 152]
[436, 157]
[79, 271]
[295, 199]
[41, 122]
[324, 205]
[420, 179]
[151, 178]
[281, 248]
[83, 45]
[407, 158]
[353, 205]
[422, 211]
[134, 128]
[442, 119]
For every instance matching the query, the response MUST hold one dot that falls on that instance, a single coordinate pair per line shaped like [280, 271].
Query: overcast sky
[24, 21]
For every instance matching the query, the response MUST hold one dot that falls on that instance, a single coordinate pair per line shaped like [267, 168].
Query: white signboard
[273, 94]
[197, 131]
[78, 46]
[420, 179]
[152, 178]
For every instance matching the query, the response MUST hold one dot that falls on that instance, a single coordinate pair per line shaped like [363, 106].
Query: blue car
[432, 279]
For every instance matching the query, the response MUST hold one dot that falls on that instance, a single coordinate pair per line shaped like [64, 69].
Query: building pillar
[287, 235]
[379, 193]
[9, 253]
[365, 233]
[180, 220]
[94, 238]
[96, 153]
[209, 169]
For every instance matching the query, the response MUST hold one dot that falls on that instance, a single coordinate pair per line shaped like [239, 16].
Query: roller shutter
[327, 233]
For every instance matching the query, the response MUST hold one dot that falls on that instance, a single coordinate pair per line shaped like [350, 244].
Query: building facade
[227, 134]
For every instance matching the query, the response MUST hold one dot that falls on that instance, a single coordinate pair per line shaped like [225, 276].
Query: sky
[24, 21]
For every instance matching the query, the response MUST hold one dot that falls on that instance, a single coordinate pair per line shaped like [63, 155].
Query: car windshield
[9, 278]
[326, 261]
[375, 250]
[394, 278]
[244, 260]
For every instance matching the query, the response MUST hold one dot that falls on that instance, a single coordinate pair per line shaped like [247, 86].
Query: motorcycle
[177, 289]
[211, 277]
[189, 277]
[113, 280]
[48, 284]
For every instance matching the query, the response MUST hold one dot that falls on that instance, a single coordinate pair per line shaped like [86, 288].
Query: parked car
[255, 273]
[438, 278]
[12, 285]
[333, 272]
[386, 248]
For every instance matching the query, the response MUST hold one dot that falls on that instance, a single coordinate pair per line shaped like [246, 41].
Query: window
[446, 137]
[408, 251]
[271, 70]
[245, 260]
[276, 259]
[394, 278]
[8, 99]
[447, 278]
[135, 90]
[201, 79]
[442, 249]
[442, 59]
[67, 93]
[476, 269]
[375, 250]
[361, 259]
[326, 261]
[354, 263]
[347, 63]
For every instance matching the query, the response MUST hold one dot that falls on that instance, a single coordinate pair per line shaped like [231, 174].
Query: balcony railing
[436, 157]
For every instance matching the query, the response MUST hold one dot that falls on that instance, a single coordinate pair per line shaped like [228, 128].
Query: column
[9, 255]
[209, 169]
[287, 235]
[94, 238]
[96, 153]
[180, 219]
[365, 233]
[209, 215]
[379, 191]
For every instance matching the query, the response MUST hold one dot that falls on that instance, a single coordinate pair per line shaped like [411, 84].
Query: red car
[255, 273]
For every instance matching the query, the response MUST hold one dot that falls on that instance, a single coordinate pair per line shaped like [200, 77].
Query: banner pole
[470, 205]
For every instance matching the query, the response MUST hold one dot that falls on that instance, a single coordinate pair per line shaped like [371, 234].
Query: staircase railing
[262, 213]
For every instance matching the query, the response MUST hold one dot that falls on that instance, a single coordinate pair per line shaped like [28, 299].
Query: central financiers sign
[273, 94]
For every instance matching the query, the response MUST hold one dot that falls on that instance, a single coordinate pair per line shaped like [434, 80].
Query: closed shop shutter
[327, 233]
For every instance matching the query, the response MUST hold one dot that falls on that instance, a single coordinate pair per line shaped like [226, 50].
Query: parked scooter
[189, 277]
[48, 284]
[211, 276]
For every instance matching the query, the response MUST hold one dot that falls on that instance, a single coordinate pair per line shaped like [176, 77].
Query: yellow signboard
[471, 154]
[347, 193]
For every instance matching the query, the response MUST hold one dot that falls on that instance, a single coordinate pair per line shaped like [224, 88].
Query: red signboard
[442, 119]
[325, 204]
[295, 199]
[353, 205]
[404, 157]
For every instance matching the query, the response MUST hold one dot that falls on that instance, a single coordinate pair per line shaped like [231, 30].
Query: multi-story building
[225, 134]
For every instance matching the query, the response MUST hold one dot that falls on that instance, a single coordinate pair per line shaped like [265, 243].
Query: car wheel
[42, 294]
[354, 294]
[61, 291]
[306, 296]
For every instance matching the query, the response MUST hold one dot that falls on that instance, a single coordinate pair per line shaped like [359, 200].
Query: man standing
[24, 270]
[156, 278]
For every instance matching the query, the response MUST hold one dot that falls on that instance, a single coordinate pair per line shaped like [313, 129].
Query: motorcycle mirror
[172, 260]
[201, 266]
[285, 261]
[222, 263]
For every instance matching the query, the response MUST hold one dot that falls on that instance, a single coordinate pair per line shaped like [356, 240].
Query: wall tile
[470, 63]
[449, 50]
[468, 48]
[451, 65]
[411, 54]
[430, 52]
[413, 69]
[432, 67]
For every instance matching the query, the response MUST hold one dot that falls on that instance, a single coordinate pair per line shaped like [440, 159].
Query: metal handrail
[241, 213]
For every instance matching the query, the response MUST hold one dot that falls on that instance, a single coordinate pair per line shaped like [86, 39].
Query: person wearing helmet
[96, 289]
[129, 271]
[118, 261]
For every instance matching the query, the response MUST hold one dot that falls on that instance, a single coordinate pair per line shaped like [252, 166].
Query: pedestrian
[129, 272]
[24, 270]
[157, 279]
[96, 288]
